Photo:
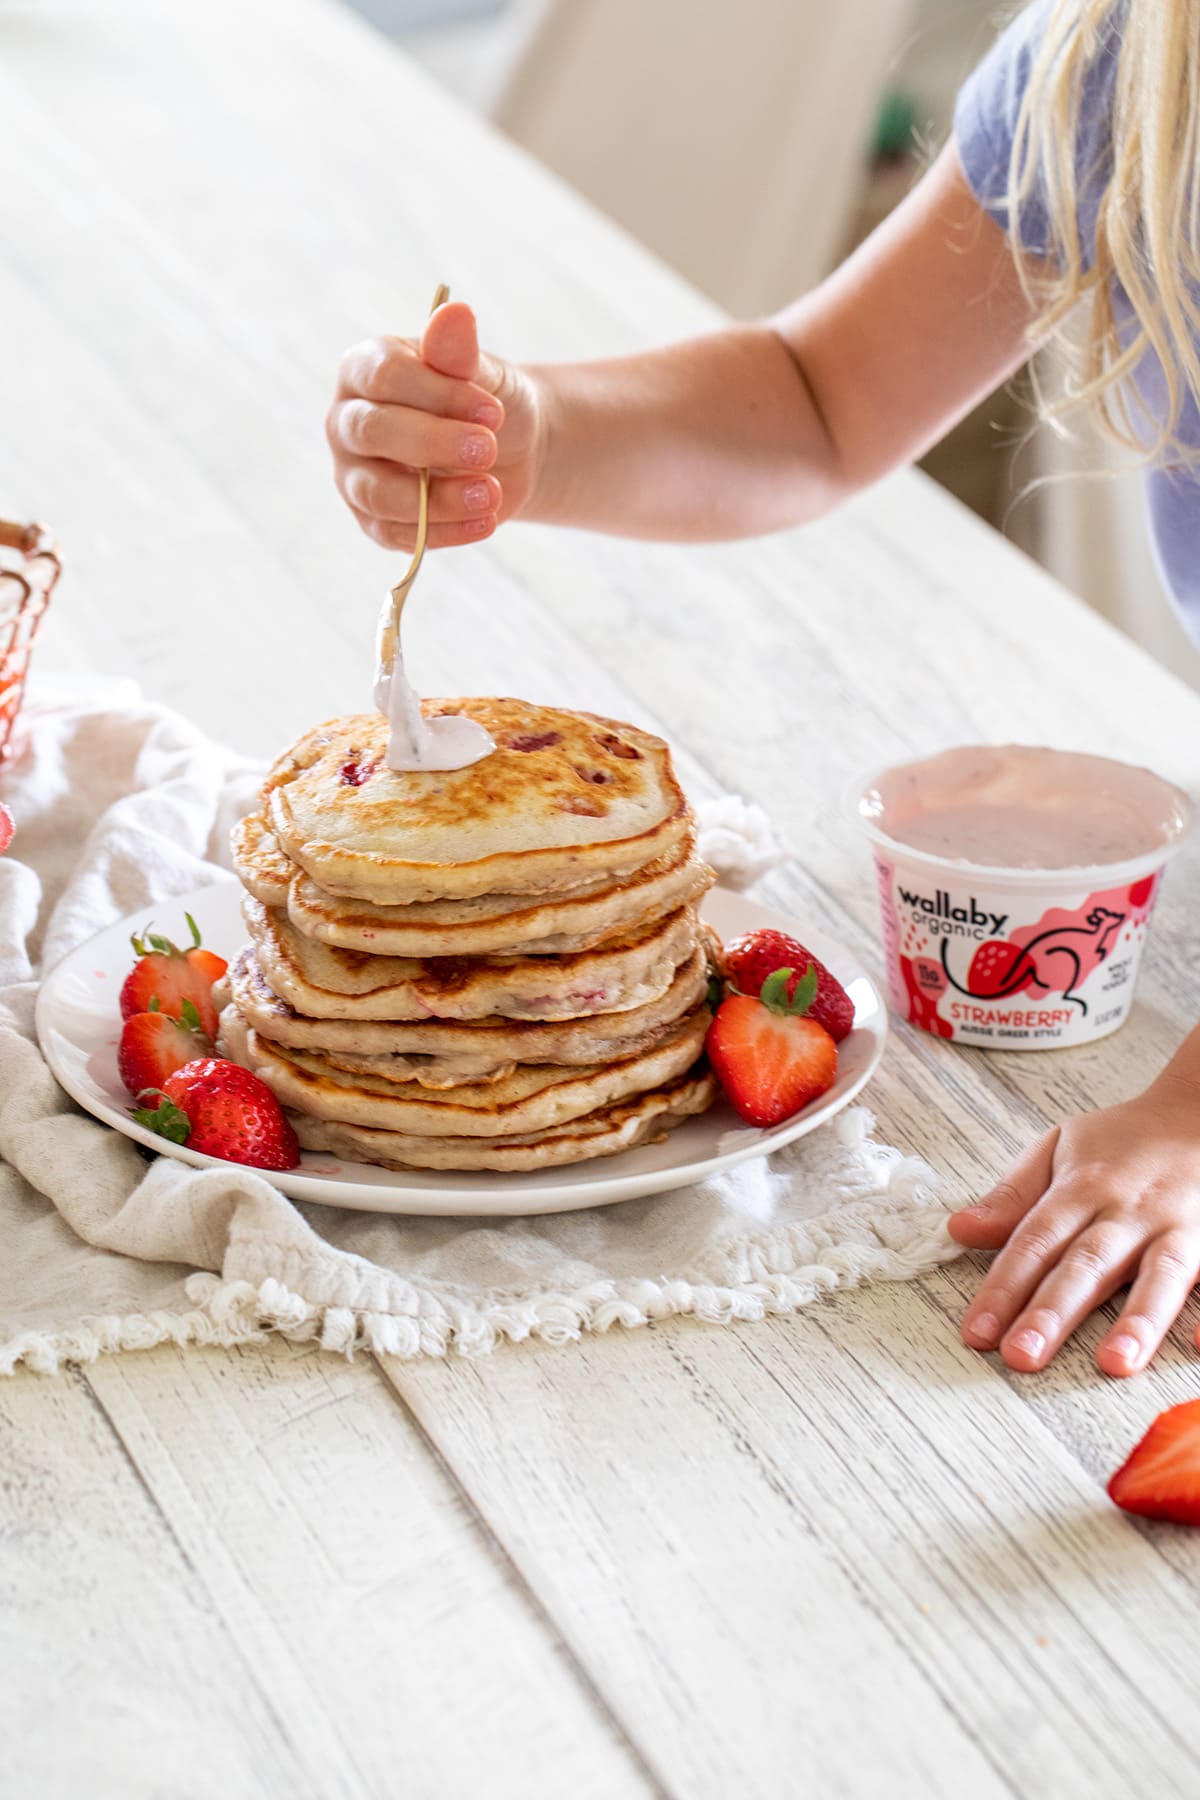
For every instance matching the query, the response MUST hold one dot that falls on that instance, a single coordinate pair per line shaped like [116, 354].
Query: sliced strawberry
[153, 1045]
[169, 975]
[6, 828]
[749, 960]
[223, 1110]
[1161, 1478]
[769, 1063]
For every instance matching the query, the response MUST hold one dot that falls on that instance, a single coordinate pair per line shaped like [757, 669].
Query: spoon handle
[401, 590]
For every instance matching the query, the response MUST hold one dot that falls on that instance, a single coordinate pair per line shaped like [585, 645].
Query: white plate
[78, 1025]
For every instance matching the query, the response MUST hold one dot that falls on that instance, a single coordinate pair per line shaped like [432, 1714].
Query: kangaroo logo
[1058, 961]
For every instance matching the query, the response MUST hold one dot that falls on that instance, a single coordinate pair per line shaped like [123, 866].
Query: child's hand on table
[403, 405]
[1107, 1199]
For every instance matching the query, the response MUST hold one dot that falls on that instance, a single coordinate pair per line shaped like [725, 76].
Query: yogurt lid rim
[1127, 869]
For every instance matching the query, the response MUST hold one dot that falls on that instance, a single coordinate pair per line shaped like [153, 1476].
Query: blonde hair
[1148, 223]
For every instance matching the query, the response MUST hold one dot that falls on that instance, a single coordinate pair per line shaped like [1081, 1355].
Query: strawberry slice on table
[750, 959]
[153, 1045]
[165, 973]
[221, 1109]
[6, 828]
[770, 1057]
[1161, 1477]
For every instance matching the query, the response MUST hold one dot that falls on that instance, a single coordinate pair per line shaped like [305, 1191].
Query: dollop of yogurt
[452, 741]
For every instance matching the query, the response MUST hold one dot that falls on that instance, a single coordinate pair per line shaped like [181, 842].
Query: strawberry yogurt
[1016, 885]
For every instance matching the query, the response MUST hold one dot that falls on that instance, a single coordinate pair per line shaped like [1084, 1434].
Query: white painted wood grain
[719, 1544]
[836, 1519]
[120, 1676]
[326, 1612]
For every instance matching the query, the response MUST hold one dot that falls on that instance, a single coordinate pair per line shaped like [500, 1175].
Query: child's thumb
[450, 342]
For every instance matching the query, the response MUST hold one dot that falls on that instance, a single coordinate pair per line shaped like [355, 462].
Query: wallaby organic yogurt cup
[1016, 886]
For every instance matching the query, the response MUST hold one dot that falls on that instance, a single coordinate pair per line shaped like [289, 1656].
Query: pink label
[1008, 970]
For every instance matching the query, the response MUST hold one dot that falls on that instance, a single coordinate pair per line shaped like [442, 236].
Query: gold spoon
[389, 635]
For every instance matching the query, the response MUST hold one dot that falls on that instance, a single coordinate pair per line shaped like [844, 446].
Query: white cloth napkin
[121, 805]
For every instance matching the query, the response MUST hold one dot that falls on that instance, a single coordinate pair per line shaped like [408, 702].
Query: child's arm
[748, 430]
[1108, 1198]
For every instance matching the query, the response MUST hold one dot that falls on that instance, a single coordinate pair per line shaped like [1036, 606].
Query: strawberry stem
[774, 992]
[166, 1119]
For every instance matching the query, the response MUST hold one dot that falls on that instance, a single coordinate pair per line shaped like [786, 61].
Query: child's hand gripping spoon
[415, 742]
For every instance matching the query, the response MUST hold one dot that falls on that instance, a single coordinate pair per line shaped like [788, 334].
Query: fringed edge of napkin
[778, 1272]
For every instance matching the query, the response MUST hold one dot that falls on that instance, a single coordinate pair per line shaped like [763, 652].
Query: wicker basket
[29, 568]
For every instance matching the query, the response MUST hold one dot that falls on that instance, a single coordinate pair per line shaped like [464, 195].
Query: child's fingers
[402, 434]
[1164, 1281]
[1014, 1277]
[382, 491]
[450, 344]
[1089, 1271]
[991, 1221]
[390, 372]
[391, 536]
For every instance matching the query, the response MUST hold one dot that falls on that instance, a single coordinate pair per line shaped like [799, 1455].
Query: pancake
[261, 865]
[494, 924]
[565, 797]
[607, 1131]
[468, 1051]
[325, 982]
[532, 1099]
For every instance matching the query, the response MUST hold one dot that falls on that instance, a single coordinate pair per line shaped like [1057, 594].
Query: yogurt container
[1016, 886]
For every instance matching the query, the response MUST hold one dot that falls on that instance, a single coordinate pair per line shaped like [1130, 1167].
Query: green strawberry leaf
[774, 992]
[188, 1015]
[154, 1004]
[806, 992]
[166, 1119]
[716, 991]
[163, 945]
[194, 929]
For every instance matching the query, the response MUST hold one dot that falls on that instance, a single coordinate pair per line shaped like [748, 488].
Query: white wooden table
[835, 1555]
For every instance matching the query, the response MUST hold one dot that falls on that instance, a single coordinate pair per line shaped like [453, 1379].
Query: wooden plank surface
[821, 1554]
[244, 1574]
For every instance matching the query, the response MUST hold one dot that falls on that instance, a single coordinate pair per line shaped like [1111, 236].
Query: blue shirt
[985, 121]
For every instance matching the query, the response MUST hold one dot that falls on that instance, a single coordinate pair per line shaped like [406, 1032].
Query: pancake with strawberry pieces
[440, 1052]
[643, 1119]
[531, 1098]
[489, 924]
[497, 967]
[564, 797]
[325, 982]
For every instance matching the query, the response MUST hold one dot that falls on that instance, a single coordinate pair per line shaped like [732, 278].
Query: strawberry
[153, 1045]
[1161, 1477]
[770, 1059]
[750, 959]
[223, 1110]
[6, 828]
[169, 975]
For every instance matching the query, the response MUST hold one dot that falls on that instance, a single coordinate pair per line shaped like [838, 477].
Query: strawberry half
[6, 828]
[1161, 1478]
[153, 1045]
[223, 1110]
[771, 1059]
[165, 973]
[749, 960]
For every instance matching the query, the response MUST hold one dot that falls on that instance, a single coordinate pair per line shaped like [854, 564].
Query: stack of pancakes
[498, 967]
